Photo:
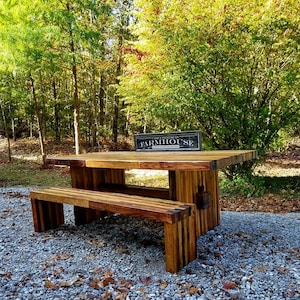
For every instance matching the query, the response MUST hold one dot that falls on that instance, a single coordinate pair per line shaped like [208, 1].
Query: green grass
[25, 173]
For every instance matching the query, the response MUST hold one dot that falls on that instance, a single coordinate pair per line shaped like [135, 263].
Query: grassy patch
[157, 180]
[28, 173]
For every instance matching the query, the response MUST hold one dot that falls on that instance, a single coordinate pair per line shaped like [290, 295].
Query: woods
[60, 62]
[93, 69]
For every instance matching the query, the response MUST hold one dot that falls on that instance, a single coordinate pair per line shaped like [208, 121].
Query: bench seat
[178, 218]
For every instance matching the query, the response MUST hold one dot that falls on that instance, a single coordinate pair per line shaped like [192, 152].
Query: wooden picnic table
[192, 174]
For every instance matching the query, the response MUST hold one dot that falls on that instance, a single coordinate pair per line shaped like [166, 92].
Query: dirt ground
[283, 164]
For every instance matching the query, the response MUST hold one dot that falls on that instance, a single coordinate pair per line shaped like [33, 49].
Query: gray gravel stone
[249, 256]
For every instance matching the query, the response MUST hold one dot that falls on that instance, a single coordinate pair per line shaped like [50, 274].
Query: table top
[183, 160]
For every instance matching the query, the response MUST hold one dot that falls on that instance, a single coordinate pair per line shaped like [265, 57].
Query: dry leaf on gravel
[50, 285]
[69, 282]
[100, 244]
[227, 285]
[262, 269]
[193, 290]
[146, 280]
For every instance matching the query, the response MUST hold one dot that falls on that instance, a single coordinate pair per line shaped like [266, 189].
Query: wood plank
[49, 195]
[151, 208]
[192, 160]
[136, 190]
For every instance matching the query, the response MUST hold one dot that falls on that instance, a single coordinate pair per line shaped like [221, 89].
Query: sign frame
[171, 141]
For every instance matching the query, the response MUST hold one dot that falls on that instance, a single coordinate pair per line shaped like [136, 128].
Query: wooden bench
[178, 218]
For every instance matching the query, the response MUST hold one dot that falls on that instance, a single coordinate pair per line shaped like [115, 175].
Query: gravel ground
[249, 256]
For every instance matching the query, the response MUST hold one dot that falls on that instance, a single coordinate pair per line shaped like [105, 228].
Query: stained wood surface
[188, 161]
[146, 207]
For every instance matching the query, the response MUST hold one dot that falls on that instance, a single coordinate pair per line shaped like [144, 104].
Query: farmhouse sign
[173, 141]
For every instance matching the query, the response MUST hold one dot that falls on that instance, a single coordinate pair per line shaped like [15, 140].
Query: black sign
[173, 141]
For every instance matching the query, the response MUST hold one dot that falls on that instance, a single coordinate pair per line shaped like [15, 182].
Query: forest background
[92, 71]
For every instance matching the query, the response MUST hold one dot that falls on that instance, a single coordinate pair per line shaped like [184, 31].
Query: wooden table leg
[92, 179]
[185, 184]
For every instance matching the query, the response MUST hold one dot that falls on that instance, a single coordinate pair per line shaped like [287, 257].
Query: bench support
[92, 179]
[46, 215]
[180, 244]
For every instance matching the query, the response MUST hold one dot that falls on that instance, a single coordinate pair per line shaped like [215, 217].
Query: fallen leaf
[193, 290]
[68, 283]
[291, 293]
[62, 256]
[147, 261]
[220, 267]
[125, 282]
[123, 290]
[217, 254]
[107, 281]
[227, 285]
[97, 243]
[262, 269]
[164, 285]
[6, 275]
[121, 296]
[50, 285]
[106, 296]
[283, 270]
[94, 284]
[96, 270]
[123, 251]
[244, 235]
[108, 273]
[146, 280]
[57, 272]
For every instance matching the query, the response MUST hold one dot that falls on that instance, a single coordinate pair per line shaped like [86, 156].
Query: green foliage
[243, 185]
[256, 186]
[231, 69]
[36, 38]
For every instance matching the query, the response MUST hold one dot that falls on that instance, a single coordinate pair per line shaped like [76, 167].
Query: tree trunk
[117, 98]
[101, 101]
[94, 114]
[13, 129]
[56, 115]
[78, 143]
[6, 131]
[39, 120]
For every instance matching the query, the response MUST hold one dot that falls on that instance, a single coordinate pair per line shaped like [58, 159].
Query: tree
[229, 69]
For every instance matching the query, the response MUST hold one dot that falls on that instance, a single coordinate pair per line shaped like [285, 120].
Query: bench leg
[92, 179]
[46, 215]
[87, 215]
[180, 243]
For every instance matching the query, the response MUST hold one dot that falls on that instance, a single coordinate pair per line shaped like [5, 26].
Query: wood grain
[189, 161]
